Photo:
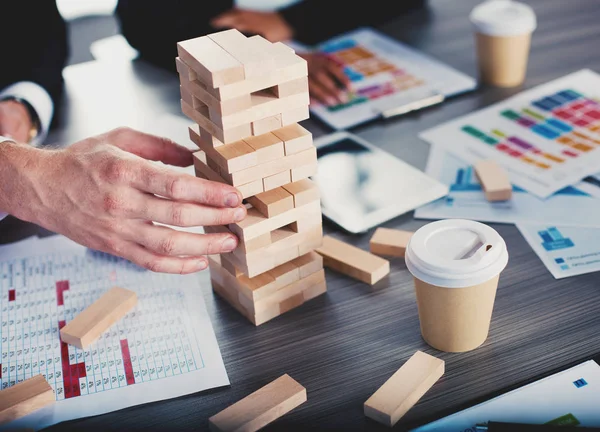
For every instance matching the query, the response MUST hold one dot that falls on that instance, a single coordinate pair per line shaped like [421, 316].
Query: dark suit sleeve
[153, 27]
[33, 36]
[315, 21]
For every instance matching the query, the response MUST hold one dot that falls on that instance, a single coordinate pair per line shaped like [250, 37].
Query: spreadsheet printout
[163, 348]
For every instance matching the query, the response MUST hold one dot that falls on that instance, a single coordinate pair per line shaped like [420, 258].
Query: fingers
[185, 214]
[338, 73]
[227, 19]
[169, 242]
[150, 147]
[323, 93]
[160, 263]
[183, 187]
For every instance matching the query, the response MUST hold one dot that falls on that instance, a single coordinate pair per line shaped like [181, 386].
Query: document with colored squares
[384, 74]
[547, 137]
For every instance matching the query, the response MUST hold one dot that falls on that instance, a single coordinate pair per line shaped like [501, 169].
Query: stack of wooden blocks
[246, 96]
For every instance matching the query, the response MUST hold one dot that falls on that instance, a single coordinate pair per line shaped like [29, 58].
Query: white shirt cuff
[39, 99]
[2, 215]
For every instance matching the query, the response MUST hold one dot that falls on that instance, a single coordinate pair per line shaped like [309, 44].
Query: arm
[105, 193]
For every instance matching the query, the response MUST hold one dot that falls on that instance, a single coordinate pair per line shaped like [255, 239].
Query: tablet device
[363, 186]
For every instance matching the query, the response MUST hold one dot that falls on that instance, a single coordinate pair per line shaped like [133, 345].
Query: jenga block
[266, 124]
[185, 71]
[390, 242]
[256, 224]
[86, 327]
[247, 246]
[289, 88]
[272, 202]
[303, 191]
[307, 222]
[207, 137]
[308, 263]
[226, 136]
[313, 239]
[295, 115]
[246, 51]
[232, 298]
[212, 64]
[288, 66]
[229, 158]
[268, 147]
[494, 180]
[277, 180]
[315, 291]
[352, 261]
[228, 266]
[186, 96]
[304, 171]
[295, 138]
[260, 408]
[213, 165]
[404, 388]
[276, 166]
[285, 274]
[24, 398]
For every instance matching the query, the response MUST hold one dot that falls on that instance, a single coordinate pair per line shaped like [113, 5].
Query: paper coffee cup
[456, 264]
[502, 37]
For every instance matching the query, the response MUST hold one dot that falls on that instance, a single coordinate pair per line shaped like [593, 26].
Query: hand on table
[270, 25]
[103, 192]
[15, 122]
[327, 81]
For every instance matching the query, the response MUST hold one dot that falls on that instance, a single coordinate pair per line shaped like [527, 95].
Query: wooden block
[295, 115]
[226, 136]
[212, 63]
[304, 171]
[303, 191]
[86, 327]
[390, 242]
[313, 239]
[307, 222]
[255, 243]
[213, 165]
[184, 70]
[186, 96]
[266, 124]
[208, 138]
[285, 274]
[273, 202]
[276, 166]
[268, 147]
[24, 398]
[315, 291]
[352, 261]
[308, 263]
[404, 388]
[295, 138]
[494, 180]
[228, 266]
[248, 52]
[289, 88]
[260, 408]
[288, 66]
[231, 298]
[229, 158]
[277, 180]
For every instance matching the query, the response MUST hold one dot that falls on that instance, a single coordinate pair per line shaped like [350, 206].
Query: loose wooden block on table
[273, 202]
[352, 261]
[24, 398]
[261, 407]
[295, 138]
[494, 180]
[404, 388]
[86, 327]
[303, 191]
[266, 124]
[391, 242]
[210, 62]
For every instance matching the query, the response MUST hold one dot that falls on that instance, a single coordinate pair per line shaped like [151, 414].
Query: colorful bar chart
[552, 239]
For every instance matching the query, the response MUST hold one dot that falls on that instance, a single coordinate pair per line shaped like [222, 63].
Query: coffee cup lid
[503, 18]
[456, 253]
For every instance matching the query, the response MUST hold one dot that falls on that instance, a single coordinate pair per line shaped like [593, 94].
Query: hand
[103, 192]
[327, 81]
[270, 25]
[15, 122]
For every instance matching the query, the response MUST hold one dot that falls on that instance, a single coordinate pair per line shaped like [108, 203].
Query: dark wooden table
[344, 345]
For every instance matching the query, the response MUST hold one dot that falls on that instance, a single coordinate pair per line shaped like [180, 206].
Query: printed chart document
[385, 76]
[566, 398]
[466, 199]
[164, 348]
[547, 137]
[564, 250]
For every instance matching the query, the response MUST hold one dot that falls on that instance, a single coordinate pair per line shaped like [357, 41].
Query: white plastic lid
[456, 253]
[503, 18]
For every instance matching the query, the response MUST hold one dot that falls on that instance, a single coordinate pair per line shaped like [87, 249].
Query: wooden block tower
[246, 96]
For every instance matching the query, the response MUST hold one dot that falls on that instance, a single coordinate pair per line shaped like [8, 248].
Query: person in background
[153, 27]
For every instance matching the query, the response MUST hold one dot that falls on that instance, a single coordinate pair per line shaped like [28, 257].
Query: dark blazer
[33, 37]
[154, 27]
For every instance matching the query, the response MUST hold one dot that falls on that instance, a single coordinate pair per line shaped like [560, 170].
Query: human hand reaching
[103, 192]
[15, 121]
[327, 82]
[270, 25]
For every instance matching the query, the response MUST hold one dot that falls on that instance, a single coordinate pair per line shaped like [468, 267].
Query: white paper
[386, 74]
[572, 394]
[171, 343]
[466, 199]
[543, 142]
[564, 250]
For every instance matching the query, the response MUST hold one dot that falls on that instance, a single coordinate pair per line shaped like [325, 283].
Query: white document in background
[564, 250]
